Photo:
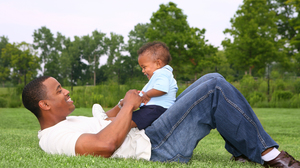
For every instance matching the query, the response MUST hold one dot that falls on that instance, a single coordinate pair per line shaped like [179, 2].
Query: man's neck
[46, 122]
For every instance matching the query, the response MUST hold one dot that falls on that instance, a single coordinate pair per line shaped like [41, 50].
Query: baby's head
[156, 50]
[153, 56]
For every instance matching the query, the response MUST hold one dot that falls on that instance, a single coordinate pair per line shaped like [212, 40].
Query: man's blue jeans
[210, 102]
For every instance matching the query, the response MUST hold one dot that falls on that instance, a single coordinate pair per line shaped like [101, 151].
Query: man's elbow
[89, 145]
[109, 150]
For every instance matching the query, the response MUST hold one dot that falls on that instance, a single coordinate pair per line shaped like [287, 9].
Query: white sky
[19, 18]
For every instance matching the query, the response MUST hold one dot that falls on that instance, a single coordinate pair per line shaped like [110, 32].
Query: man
[210, 102]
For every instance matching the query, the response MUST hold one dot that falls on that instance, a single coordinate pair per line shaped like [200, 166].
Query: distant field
[19, 143]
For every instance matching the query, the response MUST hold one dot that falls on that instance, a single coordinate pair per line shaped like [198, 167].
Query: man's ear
[43, 105]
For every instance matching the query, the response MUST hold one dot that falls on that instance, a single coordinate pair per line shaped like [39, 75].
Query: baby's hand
[145, 98]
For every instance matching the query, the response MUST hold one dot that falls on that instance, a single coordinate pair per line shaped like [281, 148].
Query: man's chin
[72, 108]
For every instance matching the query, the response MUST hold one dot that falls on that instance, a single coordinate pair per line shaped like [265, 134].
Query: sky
[19, 18]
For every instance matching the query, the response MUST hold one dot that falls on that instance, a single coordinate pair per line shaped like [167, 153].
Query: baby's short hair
[158, 50]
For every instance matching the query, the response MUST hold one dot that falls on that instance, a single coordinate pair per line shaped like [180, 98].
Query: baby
[159, 93]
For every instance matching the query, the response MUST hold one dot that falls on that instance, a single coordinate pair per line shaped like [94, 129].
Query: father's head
[46, 94]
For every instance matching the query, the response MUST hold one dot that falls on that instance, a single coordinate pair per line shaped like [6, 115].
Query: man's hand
[133, 99]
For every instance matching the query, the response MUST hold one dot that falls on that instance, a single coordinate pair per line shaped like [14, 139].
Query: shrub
[280, 84]
[295, 101]
[297, 86]
[14, 103]
[19, 89]
[263, 86]
[281, 95]
[256, 97]
[3, 102]
[247, 85]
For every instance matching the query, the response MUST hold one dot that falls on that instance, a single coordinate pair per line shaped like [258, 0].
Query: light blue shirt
[162, 80]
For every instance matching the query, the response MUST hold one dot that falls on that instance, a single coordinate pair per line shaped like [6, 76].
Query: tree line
[264, 39]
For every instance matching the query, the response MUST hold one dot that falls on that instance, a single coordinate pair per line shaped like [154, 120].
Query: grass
[19, 143]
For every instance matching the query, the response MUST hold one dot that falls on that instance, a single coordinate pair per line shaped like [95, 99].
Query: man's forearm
[113, 112]
[109, 139]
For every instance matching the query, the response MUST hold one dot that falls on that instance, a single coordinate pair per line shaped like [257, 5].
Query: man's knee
[212, 75]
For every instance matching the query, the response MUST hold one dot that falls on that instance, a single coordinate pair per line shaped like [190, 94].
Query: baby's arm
[151, 93]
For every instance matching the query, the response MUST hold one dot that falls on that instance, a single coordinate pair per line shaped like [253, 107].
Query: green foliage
[295, 101]
[93, 48]
[248, 85]
[108, 94]
[281, 95]
[187, 45]
[256, 97]
[11, 97]
[297, 86]
[21, 59]
[255, 44]
[3, 102]
[264, 36]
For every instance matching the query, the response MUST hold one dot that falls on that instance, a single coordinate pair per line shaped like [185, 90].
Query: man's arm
[105, 142]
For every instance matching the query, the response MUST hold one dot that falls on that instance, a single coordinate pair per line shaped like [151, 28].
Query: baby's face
[147, 64]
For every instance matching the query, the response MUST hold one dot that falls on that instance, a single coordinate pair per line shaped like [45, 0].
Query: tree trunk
[268, 90]
[95, 70]
[72, 81]
[25, 78]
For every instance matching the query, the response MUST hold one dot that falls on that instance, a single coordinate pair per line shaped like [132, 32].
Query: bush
[280, 84]
[3, 102]
[14, 104]
[282, 95]
[247, 86]
[256, 97]
[295, 101]
[297, 86]
[19, 89]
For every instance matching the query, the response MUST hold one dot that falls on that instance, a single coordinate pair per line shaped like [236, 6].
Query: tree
[115, 45]
[287, 17]
[136, 40]
[170, 26]
[255, 43]
[93, 48]
[71, 57]
[44, 41]
[23, 61]
[54, 65]
[187, 45]
[4, 61]
[3, 41]
[295, 26]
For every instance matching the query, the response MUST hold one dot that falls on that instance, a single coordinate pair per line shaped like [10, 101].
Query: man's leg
[210, 103]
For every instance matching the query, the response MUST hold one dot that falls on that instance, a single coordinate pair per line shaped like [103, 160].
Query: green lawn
[19, 143]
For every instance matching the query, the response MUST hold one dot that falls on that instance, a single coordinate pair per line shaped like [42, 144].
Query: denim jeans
[210, 102]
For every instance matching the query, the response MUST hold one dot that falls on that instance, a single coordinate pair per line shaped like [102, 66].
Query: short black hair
[158, 50]
[32, 93]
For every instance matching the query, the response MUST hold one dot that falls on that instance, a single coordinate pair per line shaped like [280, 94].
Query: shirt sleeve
[59, 142]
